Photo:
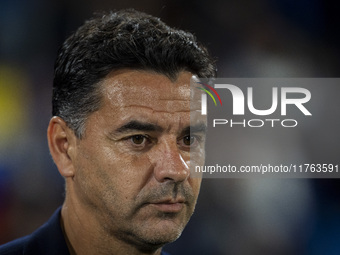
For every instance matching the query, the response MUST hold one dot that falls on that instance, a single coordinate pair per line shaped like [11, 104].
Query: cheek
[196, 185]
[91, 182]
[136, 172]
[112, 177]
[93, 179]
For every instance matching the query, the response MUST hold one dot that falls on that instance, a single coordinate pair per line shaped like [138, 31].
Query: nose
[169, 164]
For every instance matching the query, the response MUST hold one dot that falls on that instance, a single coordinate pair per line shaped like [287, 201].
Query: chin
[153, 243]
[160, 234]
[151, 233]
[166, 231]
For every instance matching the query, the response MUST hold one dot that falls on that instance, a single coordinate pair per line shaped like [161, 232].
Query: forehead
[143, 89]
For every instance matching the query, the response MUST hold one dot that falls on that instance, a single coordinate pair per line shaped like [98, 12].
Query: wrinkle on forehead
[144, 89]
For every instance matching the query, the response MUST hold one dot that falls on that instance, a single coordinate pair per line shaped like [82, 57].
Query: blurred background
[259, 38]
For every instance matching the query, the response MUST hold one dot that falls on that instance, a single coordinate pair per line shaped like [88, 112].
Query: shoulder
[14, 247]
[48, 239]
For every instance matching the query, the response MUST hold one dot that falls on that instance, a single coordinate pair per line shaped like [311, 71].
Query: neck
[84, 233]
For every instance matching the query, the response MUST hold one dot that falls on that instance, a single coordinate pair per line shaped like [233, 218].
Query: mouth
[169, 205]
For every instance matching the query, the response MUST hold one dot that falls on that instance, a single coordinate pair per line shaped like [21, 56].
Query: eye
[189, 140]
[138, 142]
[138, 139]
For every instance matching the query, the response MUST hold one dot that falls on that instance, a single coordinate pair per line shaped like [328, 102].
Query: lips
[169, 205]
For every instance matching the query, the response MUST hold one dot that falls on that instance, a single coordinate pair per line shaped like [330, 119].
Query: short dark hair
[116, 40]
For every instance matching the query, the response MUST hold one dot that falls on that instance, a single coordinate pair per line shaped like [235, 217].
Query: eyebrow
[198, 128]
[135, 125]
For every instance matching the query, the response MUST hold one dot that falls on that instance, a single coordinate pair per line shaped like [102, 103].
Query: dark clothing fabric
[46, 240]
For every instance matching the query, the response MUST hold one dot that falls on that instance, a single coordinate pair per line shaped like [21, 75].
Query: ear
[62, 144]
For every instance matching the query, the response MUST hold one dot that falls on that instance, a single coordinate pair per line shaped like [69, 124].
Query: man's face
[132, 165]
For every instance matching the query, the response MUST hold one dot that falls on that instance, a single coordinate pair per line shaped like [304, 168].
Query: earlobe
[61, 142]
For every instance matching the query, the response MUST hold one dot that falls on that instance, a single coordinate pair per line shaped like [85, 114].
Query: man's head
[122, 135]
[125, 39]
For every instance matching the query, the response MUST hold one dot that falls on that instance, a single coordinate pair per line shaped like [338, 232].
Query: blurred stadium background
[260, 38]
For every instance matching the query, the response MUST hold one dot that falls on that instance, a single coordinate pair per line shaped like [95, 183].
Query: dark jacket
[46, 240]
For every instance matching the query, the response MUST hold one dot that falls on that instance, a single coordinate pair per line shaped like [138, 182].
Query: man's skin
[128, 184]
